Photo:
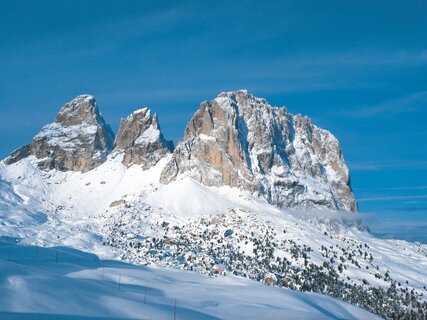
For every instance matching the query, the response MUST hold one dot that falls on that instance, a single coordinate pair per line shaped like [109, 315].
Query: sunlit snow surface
[74, 210]
[63, 283]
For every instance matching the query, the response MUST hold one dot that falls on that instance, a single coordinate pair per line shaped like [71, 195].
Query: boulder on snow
[270, 279]
[117, 203]
[217, 269]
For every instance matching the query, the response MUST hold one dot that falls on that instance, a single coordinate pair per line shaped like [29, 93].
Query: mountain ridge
[242, 141]
[236, 140]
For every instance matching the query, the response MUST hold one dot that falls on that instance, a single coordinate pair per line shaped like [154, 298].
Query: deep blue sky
[357, 68]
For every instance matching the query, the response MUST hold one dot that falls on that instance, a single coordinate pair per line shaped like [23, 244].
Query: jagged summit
[141, 110]
[141, 140]
[246, 95]
[236, 140]
[241, 141]
[83, 110]
[78, 140]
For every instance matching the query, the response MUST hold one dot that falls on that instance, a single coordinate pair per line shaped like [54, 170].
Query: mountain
[141, 140]
[239, 140]
[78, 140]
[221, 204]
[236, 140]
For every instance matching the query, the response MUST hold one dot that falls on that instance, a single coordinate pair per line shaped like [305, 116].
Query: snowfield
[63, 283]
[227, 237]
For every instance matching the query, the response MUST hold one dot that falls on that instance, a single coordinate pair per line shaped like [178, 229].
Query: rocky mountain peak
[141, 140]
[78, 140]
[239, 140]
[242, 97]
[236, 139]
[82, 109]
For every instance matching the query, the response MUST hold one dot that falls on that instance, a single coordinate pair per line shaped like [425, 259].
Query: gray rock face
[241, 141]
[141, 140]
[78, 140]
[235, 140]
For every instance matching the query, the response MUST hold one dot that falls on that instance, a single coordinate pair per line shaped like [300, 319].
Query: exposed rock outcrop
[78, 140]
[241, 141]
[141, 140]
[235, 140]
[117, 203]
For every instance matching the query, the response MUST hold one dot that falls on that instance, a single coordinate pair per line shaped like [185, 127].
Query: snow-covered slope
[236, 140]
[126, 214]
[18, 215]
[35, 282]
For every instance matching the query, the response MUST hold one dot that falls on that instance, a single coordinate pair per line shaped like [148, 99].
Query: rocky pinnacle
[239, 140]
[235, 140]
[141, 140]
[78, 140]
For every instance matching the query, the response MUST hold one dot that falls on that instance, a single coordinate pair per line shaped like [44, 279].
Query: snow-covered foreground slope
[17, 215]
[63, 283]
[126, 214]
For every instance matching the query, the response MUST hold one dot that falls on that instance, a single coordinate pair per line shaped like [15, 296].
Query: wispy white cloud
[156, 94]
[376, 166]
[100, 36]
[359, 58]
[408, 188]
[407, 104]
[327, 71]
[392, 198]
[403, 188]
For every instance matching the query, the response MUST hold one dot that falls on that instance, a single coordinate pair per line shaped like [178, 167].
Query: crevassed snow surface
[63, 283]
